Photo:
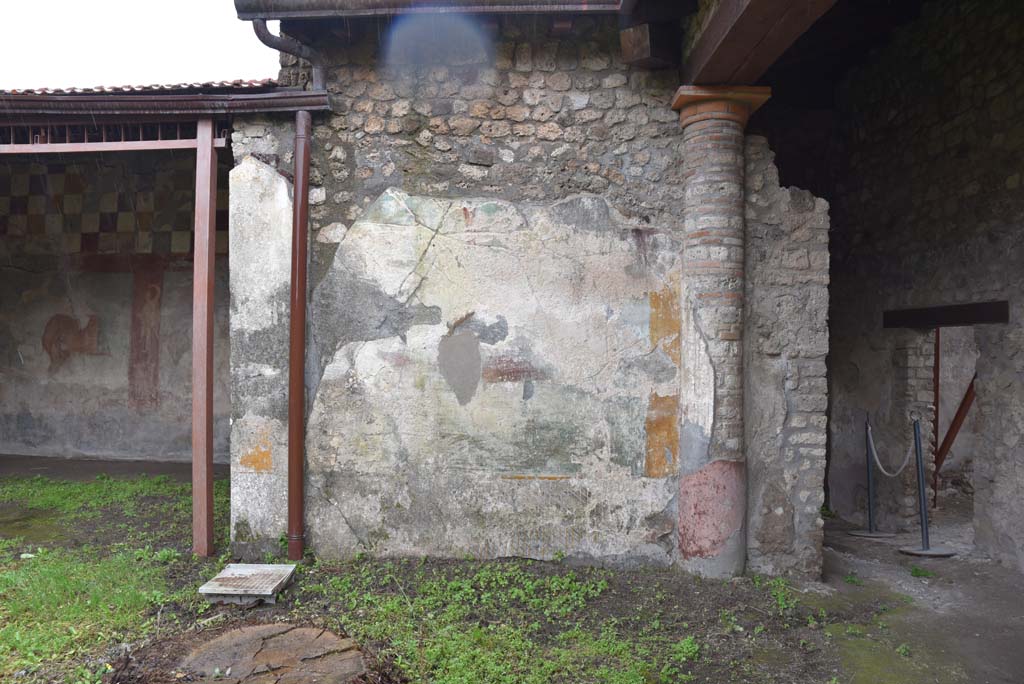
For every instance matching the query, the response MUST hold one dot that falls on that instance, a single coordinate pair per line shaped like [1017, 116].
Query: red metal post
[936, 380]
[297, 341]
[952, 432]
[202, 341]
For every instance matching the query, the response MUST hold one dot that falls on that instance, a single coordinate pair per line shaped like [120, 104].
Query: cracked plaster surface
[545, 454]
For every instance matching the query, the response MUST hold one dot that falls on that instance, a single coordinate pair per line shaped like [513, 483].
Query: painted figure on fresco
[62, 338]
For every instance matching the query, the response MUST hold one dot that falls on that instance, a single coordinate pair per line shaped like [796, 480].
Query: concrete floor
[969, 614]
[88, 469]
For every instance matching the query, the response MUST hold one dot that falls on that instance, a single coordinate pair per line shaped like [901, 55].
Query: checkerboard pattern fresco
[111, 204]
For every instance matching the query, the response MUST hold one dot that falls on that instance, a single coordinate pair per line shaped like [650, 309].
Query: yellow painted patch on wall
[665, 319]
[662, 428]
[258, 458]
[662, 424]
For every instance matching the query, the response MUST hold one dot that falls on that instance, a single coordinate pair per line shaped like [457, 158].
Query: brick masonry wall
[785, 347]
[928, 210]
[712, 489]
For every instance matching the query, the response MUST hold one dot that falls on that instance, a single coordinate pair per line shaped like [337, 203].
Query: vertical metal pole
[922, 494]
[871, 475]
[297, 341]
[202, 340]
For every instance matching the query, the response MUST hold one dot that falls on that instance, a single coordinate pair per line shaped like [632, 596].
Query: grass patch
[60, 603]
[916, 571]
[498, 623]
[65, 602]
[525, 622]
[440, 621]
[92, 496]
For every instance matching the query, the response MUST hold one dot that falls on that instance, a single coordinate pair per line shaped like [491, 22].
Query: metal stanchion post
[922, 503]
[869, 461]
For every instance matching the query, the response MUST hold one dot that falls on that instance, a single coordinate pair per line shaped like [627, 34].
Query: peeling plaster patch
[458, 357]
[710, 508]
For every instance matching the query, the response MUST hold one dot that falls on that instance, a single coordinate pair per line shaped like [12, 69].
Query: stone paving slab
[279, 653]
[241, 582]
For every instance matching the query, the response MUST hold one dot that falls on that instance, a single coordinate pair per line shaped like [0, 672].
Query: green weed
[60, 603]
[782, 594]
[89, 497]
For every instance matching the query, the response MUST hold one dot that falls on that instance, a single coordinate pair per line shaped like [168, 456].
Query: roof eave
[249, 10]
[146, 106]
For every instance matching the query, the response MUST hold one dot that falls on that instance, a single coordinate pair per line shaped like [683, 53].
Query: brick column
[712, 487]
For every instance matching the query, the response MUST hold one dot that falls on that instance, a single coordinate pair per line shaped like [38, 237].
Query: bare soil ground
[518, 621]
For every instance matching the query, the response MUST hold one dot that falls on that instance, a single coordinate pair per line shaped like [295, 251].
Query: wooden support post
[202, 341]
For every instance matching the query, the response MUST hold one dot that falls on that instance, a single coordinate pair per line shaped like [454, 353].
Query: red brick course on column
[713, 486]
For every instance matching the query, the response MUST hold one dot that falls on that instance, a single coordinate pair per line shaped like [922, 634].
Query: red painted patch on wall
[511, 369]
[144, 354]
[711, 508]
[62, 338]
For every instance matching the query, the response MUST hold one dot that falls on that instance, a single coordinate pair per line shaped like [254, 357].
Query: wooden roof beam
[745, 37]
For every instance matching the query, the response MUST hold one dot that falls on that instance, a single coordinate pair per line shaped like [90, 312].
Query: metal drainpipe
[297, 341]
[297, 318]
[293, 47]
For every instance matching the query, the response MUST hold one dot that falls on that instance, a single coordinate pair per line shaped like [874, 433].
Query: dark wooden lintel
[978, 313]
[745, 37]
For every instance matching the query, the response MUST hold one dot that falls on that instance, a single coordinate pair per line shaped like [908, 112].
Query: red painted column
[202, 341]
[712, 489]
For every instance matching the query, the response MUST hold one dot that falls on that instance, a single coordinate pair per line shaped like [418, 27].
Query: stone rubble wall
[494, 361]
[496, 372]
[785, 348]
[928, 210]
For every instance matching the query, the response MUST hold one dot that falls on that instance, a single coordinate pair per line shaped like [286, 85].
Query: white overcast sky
[84, 43]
